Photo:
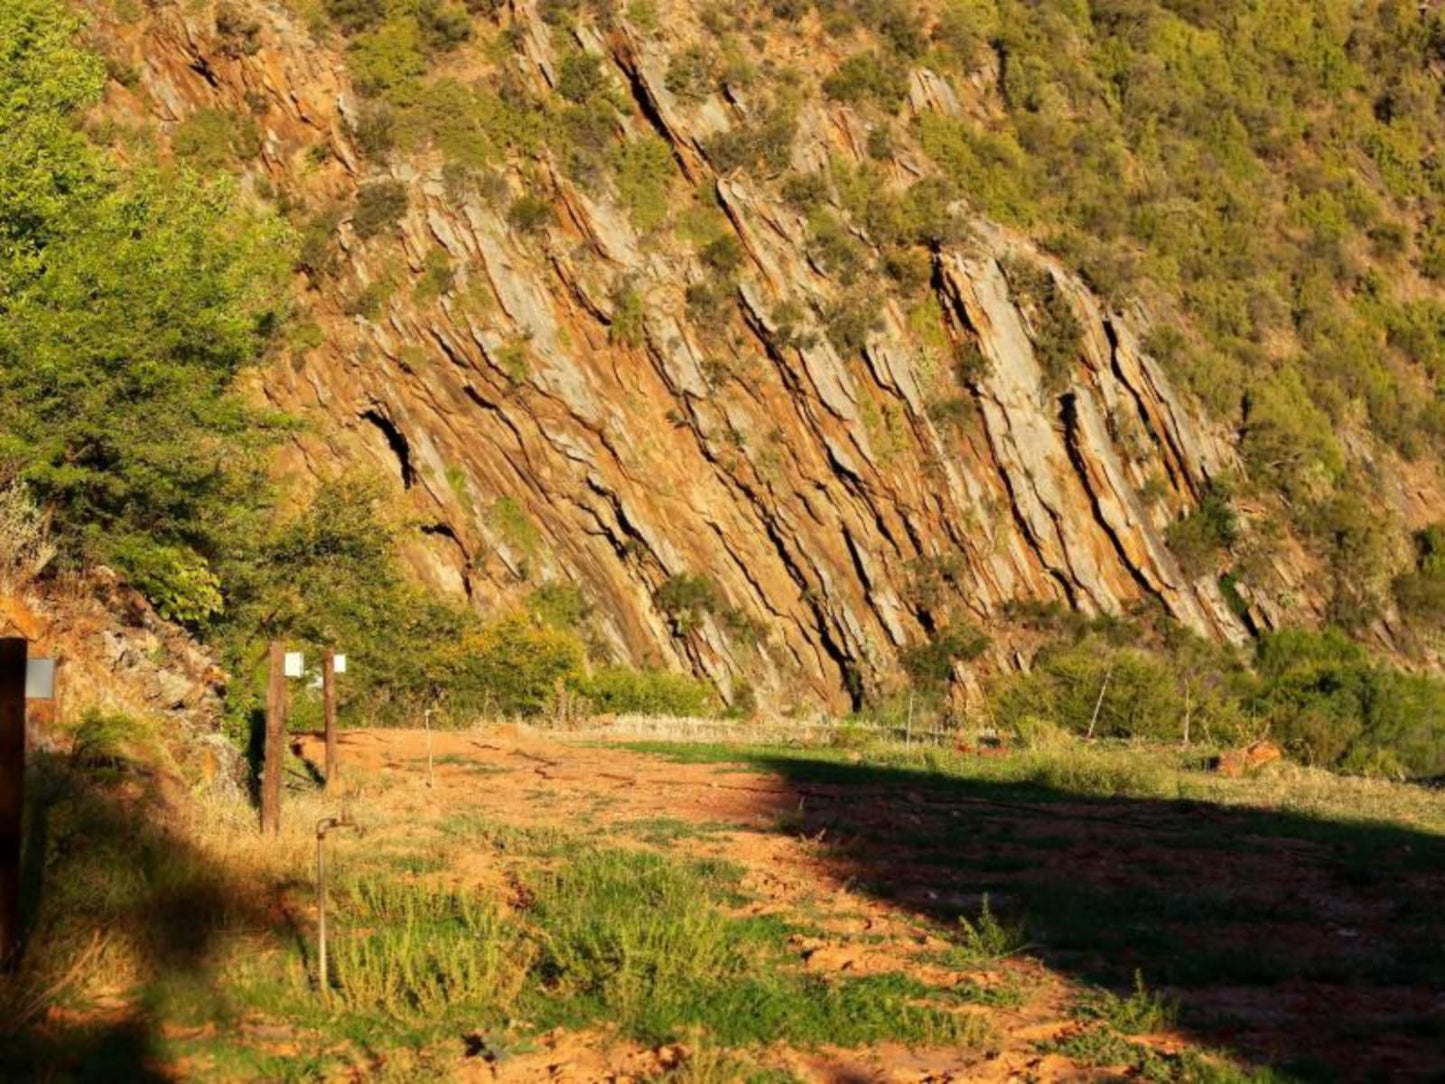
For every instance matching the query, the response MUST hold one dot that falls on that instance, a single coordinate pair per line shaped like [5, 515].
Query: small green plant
[507, 517]
[987, 939]
[513, 358]
[1141, 1013]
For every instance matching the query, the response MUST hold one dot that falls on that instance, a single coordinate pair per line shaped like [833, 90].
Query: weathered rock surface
[814, 488]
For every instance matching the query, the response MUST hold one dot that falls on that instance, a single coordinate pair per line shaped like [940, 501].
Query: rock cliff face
[848, 501]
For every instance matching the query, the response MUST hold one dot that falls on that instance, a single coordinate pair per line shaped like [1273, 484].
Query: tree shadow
[110, 893]
[1315, 946]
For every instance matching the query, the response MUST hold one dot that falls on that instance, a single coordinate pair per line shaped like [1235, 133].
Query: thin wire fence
[768, 732]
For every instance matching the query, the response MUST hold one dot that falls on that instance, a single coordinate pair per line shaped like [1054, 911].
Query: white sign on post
[295, 664]
[339, 664]
[40, 679]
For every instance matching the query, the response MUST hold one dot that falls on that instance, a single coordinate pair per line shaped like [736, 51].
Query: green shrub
[379, 207]
[529, 214]
[868, 77]
[1057, 335]
[690, 73]
[240, 33]
[390, 60]
[686, 599]
[437, 275]
[353, 16]
[1420, 591]
[1118, 692]
[1330, 704]
[514, 666]
[766, 145]
[1200, 536]
[724, 255]
[643, 168]
[832, 245]
[931, 665]
[629, 319]
[315, 252]
[580, 78]
[130, 293]
[443, 25]
[805, 191]
[374, 132]
[215, 139]
[623, 690]
[559, 605]
[849, 321]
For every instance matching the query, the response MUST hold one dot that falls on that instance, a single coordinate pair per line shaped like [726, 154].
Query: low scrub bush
[623, 690]
[1321, 695]
[868, 77]
[379, 207]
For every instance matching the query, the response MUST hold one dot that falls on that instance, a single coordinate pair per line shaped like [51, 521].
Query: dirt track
[883, 866]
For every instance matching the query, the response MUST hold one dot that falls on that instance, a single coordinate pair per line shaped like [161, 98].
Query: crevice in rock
[202, 67]
[397, 442]
[642, 95]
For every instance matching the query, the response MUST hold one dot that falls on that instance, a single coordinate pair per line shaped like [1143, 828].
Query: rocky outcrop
[816, 486]
[114, 653]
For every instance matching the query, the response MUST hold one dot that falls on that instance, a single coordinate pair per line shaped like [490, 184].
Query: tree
[132, 297]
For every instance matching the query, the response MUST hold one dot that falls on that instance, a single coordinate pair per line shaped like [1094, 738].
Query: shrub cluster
[1320, 695]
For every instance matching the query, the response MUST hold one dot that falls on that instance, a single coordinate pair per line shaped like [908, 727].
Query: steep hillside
[702, 309]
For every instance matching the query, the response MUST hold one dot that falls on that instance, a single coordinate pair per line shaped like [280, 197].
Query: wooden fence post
[275, 751]
[328, 700]
[13, 653]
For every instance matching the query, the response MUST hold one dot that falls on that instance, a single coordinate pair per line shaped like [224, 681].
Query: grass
[578, 927]
[1103, 769]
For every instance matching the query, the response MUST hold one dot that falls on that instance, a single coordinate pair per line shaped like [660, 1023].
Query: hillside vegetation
[1259, 179]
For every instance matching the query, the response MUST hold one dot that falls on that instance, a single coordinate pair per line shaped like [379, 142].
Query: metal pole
[324, 825]
[1100, 702]
[13, 654]
[323, 981]
[275, 737]
[430, 775]
[328, 699]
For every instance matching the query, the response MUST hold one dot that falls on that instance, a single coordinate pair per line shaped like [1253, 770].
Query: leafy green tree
[130, 299]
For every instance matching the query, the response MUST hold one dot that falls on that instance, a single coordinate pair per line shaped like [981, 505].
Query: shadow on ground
[110, 897]
[1311, 945]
